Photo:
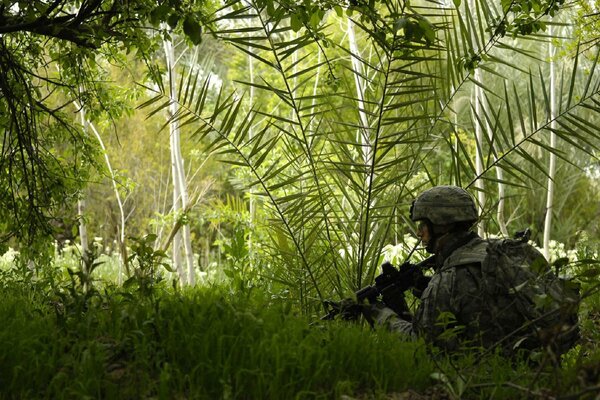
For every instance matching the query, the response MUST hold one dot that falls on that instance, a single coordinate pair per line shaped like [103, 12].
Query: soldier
[483, 292]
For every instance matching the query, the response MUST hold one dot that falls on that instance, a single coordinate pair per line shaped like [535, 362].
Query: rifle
[389, 287]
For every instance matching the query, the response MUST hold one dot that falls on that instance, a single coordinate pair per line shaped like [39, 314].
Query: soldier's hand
[347, 309]
[414, 277]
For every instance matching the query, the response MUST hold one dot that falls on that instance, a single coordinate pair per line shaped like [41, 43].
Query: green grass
[208, 343]
[198, 344]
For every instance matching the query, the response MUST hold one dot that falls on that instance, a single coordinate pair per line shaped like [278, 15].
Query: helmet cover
[444, 205]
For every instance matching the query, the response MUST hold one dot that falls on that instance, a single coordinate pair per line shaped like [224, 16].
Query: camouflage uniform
[451, 306]
[462, 304]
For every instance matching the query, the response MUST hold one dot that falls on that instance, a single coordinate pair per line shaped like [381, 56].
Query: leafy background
[272, 149]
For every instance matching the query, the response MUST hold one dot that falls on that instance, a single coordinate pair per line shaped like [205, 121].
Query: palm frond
[337, 163]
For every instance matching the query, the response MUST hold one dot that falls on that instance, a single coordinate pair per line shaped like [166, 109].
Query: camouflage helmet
[444, 205]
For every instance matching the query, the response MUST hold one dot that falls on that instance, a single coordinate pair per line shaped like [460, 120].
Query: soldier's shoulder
[474, 252]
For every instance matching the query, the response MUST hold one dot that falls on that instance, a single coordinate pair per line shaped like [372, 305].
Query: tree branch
[82, 28]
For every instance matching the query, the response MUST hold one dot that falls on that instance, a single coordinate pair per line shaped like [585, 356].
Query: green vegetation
[192, 344]
[59, 341]
[184, 182]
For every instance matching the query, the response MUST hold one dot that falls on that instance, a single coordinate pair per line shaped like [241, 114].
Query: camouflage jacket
[444, 303]
[457, 308]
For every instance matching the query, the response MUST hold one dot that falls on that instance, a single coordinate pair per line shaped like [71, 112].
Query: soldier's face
[423, 233]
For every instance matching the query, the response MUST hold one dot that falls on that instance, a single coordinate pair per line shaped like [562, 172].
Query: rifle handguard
[389, 286]
[369, 293]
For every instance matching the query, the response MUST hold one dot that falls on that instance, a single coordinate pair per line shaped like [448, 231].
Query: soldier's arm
[442, 315]
[387, 318]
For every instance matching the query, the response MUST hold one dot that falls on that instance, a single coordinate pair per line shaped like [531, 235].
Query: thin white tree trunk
[180, 196]
[315, 87]
[363, 134]
[499, 173]
[479, 101]
[552, 166]
[121, 238]
[83, 235]
[479, 154]
[250, 137]
[500, 217]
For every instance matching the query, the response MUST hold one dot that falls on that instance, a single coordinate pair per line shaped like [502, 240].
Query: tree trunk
[363, 133]
[121, 229]
[83, 235]
[500, 219]
[552, 166]
[479, 153]
[363, 137]
[480, 106]
[250, 137]
[180, 196]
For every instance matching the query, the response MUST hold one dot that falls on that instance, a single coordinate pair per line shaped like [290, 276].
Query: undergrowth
[203, 344]
[61, 339]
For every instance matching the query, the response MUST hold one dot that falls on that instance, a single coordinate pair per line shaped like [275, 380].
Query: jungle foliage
[66, 336]
[308, 128]
[363, 117]
[52, 55]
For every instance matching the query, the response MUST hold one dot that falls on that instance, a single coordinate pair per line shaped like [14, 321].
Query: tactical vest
[514, 299]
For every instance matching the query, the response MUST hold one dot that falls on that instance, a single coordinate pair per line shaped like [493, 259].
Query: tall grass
[61, 341]
[197, 344]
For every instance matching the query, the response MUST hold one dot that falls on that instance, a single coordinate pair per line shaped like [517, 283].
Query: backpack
[532, 305]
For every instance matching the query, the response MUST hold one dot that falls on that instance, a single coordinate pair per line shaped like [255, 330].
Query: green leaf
[295, 22]
[159, 14]
[428, 30]
[400, 24]
[315, 20]
[589, 273]
[560, 263]
[270, 7]
[173, 20]
[229, 273]
[192, 29]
